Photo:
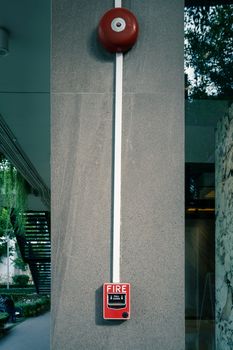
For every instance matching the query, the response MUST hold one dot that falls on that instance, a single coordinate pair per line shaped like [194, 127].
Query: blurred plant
[20, 264]
[208, 51]
[34, 307]
[21, 280]
[13, 194]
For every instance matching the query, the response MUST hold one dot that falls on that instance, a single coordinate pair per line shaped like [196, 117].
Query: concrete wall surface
[152, 245]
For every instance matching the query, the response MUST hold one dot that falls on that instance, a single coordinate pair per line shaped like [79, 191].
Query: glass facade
[209, 177]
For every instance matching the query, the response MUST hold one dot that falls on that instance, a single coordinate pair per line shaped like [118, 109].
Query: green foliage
[3, 248]
[13, 191]
[20, 264]
[21, 280]
[18, 261]
[4, 316]
[32, 307]
[5, 225]
[31, 304]
[18, 294]
[208, 50]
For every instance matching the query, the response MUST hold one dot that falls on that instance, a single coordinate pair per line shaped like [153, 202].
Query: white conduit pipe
[118, 3]
[117, 165]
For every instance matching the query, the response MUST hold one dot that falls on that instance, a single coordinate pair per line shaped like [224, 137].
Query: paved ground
[32, 334]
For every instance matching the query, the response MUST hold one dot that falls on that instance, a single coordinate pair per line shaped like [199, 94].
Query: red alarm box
[116, 301]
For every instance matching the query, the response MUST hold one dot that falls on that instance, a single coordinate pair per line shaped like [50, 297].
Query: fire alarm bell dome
[118, 30]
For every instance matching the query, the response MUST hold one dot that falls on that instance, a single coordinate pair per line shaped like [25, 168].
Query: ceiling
[25, 79]
[27, 67]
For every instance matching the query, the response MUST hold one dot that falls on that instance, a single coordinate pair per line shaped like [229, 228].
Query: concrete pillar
[152, 246]
[224, 232]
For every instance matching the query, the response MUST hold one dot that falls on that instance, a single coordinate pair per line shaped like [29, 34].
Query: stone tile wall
[224, 232]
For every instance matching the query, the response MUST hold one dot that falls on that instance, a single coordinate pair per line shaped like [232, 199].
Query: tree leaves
[13, 198]
[209, 50]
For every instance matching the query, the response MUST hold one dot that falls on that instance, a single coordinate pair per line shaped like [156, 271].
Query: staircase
[35, 247]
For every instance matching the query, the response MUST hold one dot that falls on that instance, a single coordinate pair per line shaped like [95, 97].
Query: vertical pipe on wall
[117, 168]
[117, 164]
[117, 3]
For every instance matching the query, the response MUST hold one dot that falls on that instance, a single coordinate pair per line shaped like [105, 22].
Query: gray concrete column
[152, 246]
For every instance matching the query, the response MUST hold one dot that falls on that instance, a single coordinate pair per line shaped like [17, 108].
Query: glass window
[209, 176]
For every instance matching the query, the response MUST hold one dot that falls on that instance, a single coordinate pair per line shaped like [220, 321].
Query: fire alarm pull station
[118, 32]
[116, 301]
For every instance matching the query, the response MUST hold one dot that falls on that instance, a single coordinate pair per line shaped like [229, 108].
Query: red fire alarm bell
[116, 301]
[118, 30]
